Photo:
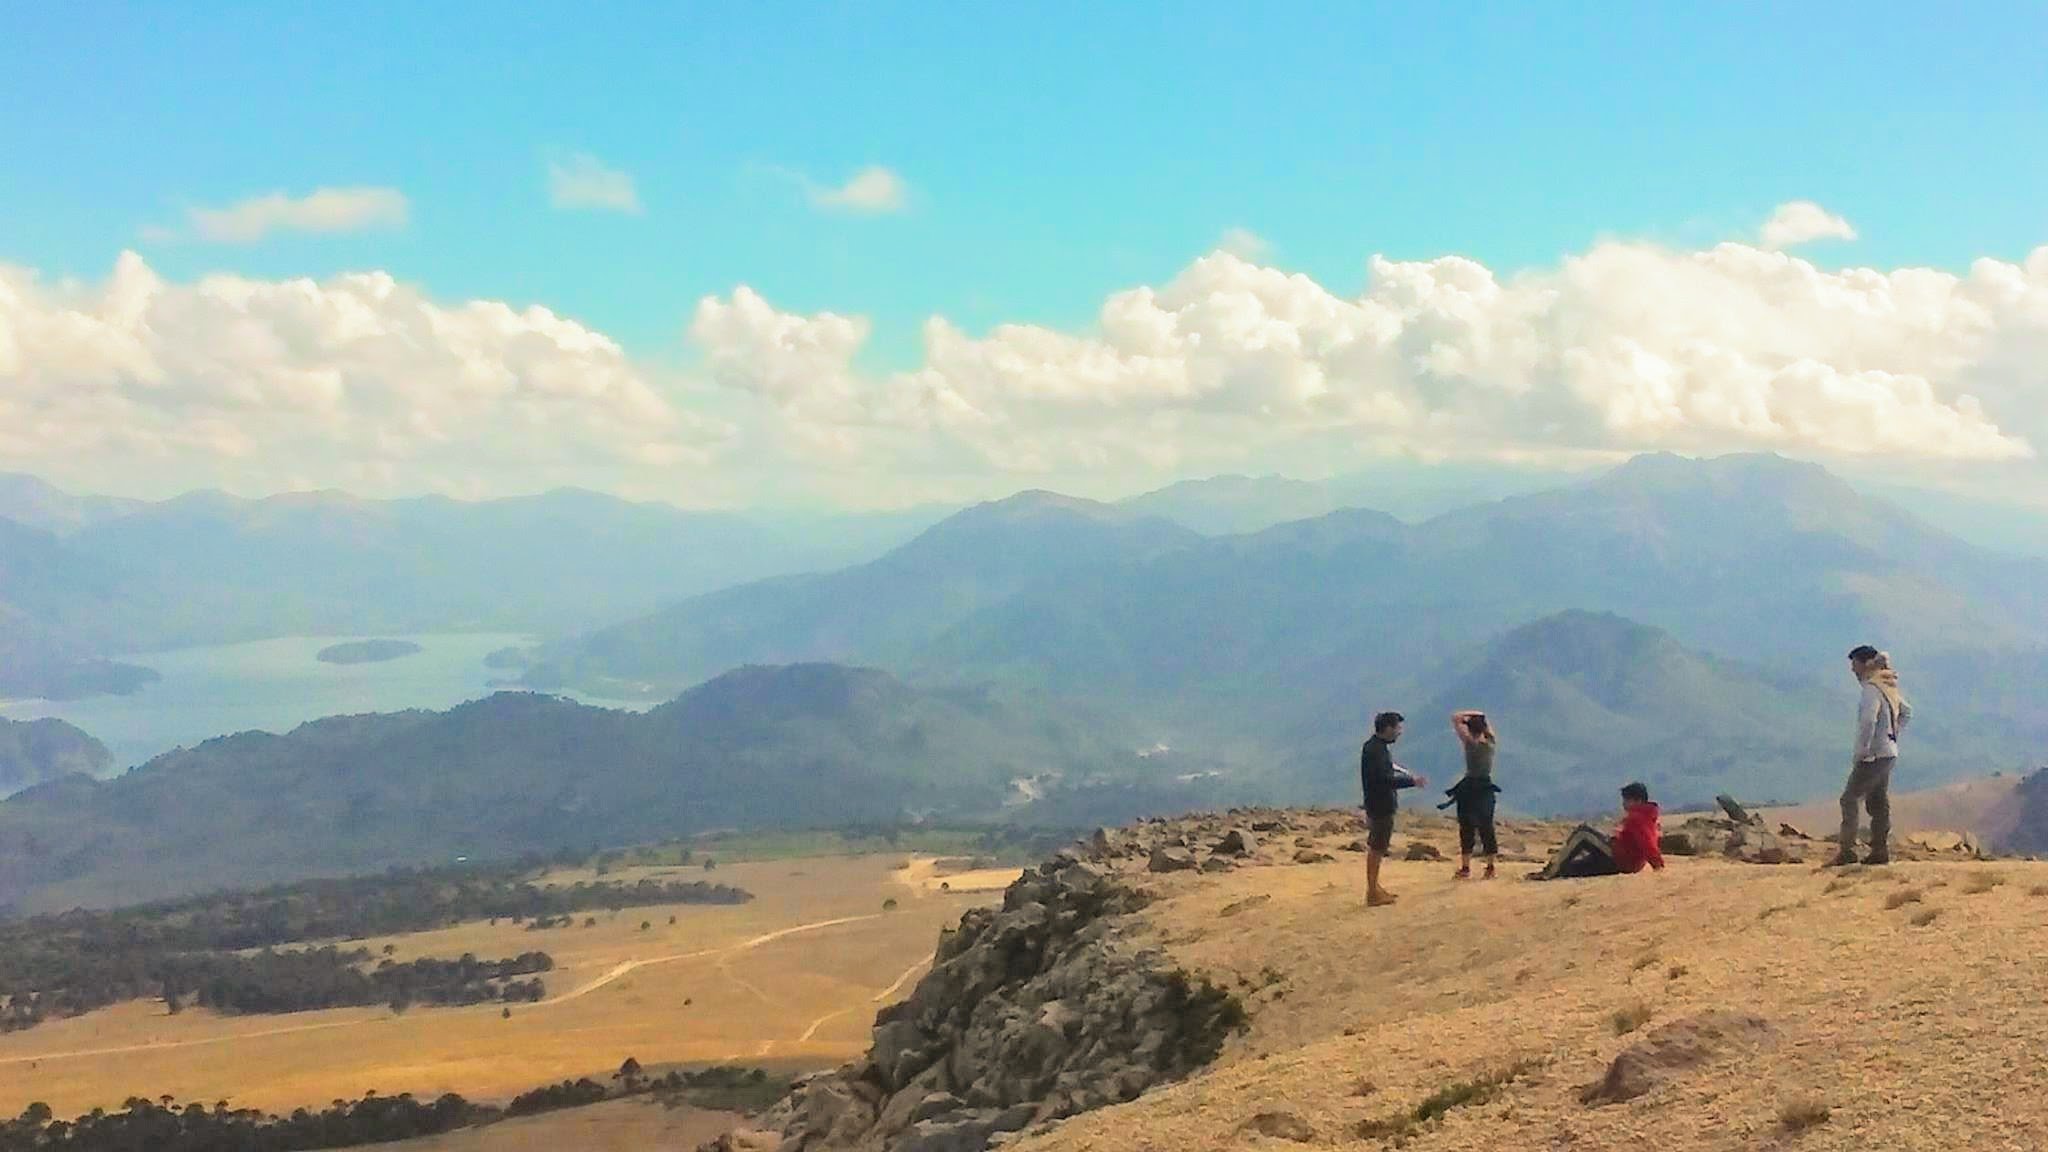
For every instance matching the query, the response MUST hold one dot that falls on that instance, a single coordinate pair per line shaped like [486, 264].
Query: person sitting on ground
[1474, 792]
[1382, 781]
[1633, 846]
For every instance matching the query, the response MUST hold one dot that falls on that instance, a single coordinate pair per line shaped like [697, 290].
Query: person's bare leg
[1374, 894]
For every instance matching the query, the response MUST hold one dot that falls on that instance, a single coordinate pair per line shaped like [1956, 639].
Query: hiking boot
[1841, 860]
[1878, 858]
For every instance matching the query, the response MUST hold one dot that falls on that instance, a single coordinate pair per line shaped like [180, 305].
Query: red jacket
[1635, 842]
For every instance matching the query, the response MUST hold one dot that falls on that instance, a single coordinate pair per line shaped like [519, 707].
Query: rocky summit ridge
[1204, 981]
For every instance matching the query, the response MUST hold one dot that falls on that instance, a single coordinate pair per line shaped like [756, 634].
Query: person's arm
[1652, 850]
[1866, 720]
[1904, 717]
[1374, 763]
[1458, 726]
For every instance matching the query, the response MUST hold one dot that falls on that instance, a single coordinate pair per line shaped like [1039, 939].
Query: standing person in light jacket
[1382, 781]
[1881, 716]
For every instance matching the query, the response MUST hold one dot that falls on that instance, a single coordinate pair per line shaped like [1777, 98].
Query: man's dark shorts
[1379, 831]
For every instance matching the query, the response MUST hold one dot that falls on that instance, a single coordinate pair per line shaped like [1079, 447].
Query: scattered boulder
[1752, 844]
[1417, 850]
[1237, 842]
[1358, 845]
[1678, 844]
[1672, 1049]
[1219, 864]
[935, 1104]
[1736, 812]
[1281, 1126]
[1748, 842]
[1105, 843]
[963, 1134]
[1172, 860]
[1311, 856]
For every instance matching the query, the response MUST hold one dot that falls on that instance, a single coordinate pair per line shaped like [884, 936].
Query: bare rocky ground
[1216, 982]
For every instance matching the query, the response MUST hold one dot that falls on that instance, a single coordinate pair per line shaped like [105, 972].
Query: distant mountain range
[801, 746]
[84, 578]
[1408, 490]
[1682, 622]
[885, 611]
[36, 751]
[1739, 583]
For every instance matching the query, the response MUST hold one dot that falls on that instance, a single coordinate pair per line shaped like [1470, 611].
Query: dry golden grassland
[1472, 1015]
[793, 977]
[615, 1126]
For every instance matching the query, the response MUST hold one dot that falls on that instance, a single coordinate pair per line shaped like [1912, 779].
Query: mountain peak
[1566, 639]
[1760, 471]
[1038, 518]
[812, 688]
[1040, 501]
[1234, 505]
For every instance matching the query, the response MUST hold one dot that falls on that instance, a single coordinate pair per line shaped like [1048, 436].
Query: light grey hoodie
[1877, 730]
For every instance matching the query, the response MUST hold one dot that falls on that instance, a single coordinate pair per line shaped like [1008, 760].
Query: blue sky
[1052, 154]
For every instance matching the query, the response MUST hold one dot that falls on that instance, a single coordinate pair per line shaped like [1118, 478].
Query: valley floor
[792, 979]
[1908, 1002]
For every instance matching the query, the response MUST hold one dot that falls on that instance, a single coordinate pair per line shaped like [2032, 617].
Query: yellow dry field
[1910, 1002]
[637, 1125]
[795, 976]
[931, 876]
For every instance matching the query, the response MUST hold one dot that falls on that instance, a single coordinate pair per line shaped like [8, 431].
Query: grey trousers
[1870, 785]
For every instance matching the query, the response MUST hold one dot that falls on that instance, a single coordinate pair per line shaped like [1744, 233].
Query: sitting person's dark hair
[1863, 653]
[1385, 721]
[1475, 724]
[1635, 793]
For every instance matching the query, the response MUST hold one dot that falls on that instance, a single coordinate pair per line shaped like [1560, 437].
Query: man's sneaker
[1878, 858]
[1841, 860]
[1462, 874]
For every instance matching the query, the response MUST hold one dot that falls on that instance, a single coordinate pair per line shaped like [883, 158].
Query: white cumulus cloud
[1802, 222]
[322, 210]
[873, 190]
[362, 381]
[584, 182]
[358, 381]
[1622, 348]
[1244, 244]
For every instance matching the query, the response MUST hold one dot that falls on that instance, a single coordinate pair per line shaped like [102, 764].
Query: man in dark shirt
[1382, 781]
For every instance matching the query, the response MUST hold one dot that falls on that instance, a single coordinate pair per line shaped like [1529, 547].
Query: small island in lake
[508, 658]
[365, 651]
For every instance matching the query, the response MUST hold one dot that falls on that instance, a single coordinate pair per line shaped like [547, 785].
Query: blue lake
[274, 686]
